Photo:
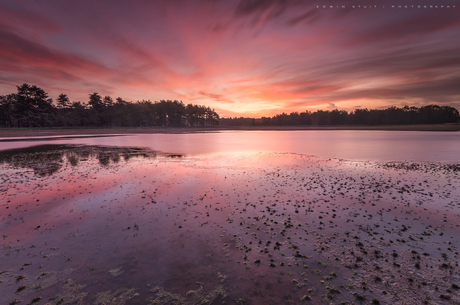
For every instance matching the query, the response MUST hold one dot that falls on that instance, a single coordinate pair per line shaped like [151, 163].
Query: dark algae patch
[120, 225]
[46, 160]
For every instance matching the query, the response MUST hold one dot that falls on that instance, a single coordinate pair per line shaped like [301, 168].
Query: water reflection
[379, 146]
[45, 160]
[241, 229]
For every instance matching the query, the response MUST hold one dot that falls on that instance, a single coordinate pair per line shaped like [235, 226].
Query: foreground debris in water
[95, 225]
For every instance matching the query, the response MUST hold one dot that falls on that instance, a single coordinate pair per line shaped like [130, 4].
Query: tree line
[31, 106]
[430, 114]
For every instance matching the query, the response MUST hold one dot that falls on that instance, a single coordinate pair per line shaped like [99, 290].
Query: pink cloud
[26, 20]
[238, 56]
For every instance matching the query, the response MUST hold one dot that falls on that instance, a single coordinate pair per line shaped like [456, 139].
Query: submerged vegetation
[31, 106]
[46, 160]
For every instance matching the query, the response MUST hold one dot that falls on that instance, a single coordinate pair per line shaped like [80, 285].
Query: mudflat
[114, 225]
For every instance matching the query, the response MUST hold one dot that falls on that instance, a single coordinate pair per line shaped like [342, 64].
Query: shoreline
[33, 132]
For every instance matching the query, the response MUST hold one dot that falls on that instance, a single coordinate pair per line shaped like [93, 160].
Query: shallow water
[117, 225]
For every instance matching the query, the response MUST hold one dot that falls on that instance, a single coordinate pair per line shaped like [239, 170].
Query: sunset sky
[242, 58]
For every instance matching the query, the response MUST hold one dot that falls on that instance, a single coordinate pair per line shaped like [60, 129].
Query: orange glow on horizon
[240, 60]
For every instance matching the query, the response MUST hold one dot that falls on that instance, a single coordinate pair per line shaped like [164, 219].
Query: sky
[248, 58]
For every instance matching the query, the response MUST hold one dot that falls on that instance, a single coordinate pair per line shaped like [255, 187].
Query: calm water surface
[349, 145]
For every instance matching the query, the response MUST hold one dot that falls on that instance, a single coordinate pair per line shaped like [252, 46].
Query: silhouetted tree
[121, 114]
[6, 110]
[62, 104]
[32, 107]
[79, 116]
[211, 117]
[108, 110]
[97, 108]
[192, 114]
[431, 114]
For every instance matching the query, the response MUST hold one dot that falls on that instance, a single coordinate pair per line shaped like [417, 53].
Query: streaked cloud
[248, 57]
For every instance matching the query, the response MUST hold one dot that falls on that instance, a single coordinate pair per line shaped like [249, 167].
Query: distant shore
[40, 132]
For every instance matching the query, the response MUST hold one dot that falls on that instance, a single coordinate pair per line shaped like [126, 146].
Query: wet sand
[100, 225]
[49, 132]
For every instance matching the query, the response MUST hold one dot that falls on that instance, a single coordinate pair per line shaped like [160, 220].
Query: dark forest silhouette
[30, 106]
[431, 114]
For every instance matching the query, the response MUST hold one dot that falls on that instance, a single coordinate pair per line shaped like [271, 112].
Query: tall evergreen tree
[33, 108]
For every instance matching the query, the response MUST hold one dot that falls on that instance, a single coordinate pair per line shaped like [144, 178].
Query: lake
[270, 217]
[342, 144]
